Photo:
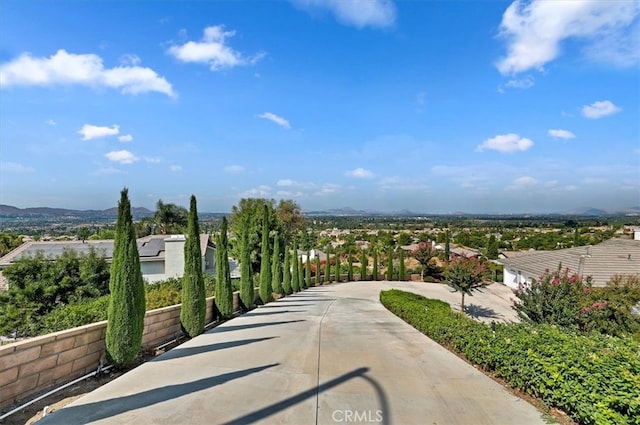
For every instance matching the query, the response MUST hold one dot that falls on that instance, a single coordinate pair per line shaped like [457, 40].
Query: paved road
[327, 355]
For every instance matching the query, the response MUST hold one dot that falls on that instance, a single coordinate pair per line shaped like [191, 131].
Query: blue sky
[432, 106]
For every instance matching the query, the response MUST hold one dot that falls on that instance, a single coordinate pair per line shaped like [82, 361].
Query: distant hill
[9, 211]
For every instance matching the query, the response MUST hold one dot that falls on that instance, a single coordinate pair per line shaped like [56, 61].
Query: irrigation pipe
[55, 390]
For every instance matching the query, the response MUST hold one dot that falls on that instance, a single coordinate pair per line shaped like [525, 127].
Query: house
[312, 255]
[601, 262]
[161, 256]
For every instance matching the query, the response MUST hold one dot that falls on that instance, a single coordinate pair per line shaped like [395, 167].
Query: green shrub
[74, 315]
[594, 378]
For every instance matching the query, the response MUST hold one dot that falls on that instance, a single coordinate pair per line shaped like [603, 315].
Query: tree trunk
[462, 305]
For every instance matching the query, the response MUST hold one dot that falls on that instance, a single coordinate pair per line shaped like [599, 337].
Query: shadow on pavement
[251, 326]
[478, 311]
[252, 314]
[108, 408]
[313, 392]
[283, 304]
[190, 351]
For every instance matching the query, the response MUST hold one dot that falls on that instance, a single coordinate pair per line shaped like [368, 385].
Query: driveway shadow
[190, 351]
[478, 311]
[96, 411]
[251, 326]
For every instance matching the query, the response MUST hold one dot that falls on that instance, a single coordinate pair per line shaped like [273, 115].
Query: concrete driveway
[328, 355]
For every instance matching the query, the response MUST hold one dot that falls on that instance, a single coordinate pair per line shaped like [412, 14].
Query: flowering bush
[554, 298]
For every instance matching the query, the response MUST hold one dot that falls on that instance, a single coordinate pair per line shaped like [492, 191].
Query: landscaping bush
[74, 315]
[594, 378]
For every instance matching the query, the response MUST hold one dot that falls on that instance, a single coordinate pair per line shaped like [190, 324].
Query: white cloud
[300, 185]
[360, 173]
[522, 183]
[327, 189]
[175, 168]
[130, 60]
[153, 159]
[397, 183]
[15, 167]
[125, 138]
[506, 143]
[122, 156]
[89, 132]
[594, 180]
[234, 169]
[359, 13]
[600, 109]
[285, 182]
[213, 50]
[535, 29]
[282, 122]
[261, 191]
[525, 181]
[106, 171]
[523, 83]
[83, 69]
[561, 134]
[289, 194]
[51, 122]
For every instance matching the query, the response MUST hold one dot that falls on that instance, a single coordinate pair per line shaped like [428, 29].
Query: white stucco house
[603, 261]
[161, 256]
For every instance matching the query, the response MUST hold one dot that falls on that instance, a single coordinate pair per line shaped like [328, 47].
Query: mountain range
[9, 211]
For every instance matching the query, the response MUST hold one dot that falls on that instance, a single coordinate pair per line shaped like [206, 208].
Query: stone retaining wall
[37, 364]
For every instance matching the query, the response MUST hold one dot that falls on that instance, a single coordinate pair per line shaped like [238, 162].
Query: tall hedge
[401, 268]
[125, 314]
[286, 273]
[317, 280]
[301, 280]
[363, 265]
[246, 278]
[389, 264]
[327, 267]
[224, 290]
[193, 309]
[350, 267]
[375, 264]
[307, 271]
[276, 271]
[265, 260]
[295, 272]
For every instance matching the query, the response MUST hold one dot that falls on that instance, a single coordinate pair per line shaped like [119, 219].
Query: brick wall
[37, 364]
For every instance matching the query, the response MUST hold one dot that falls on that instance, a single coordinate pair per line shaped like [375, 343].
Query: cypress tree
[401, 269]
[390, 265]
[327, 267]
[375, 264]
[265, 261]
[246, 279]
[295, 278]
[337, 267]
[276, 278]
[301, 282]
[194, 305]
[224, 290]
[350, 267]
[363, 265]
[286, 272]
[307, 271]
[127, 301]
[447, 253]
[316, 282]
